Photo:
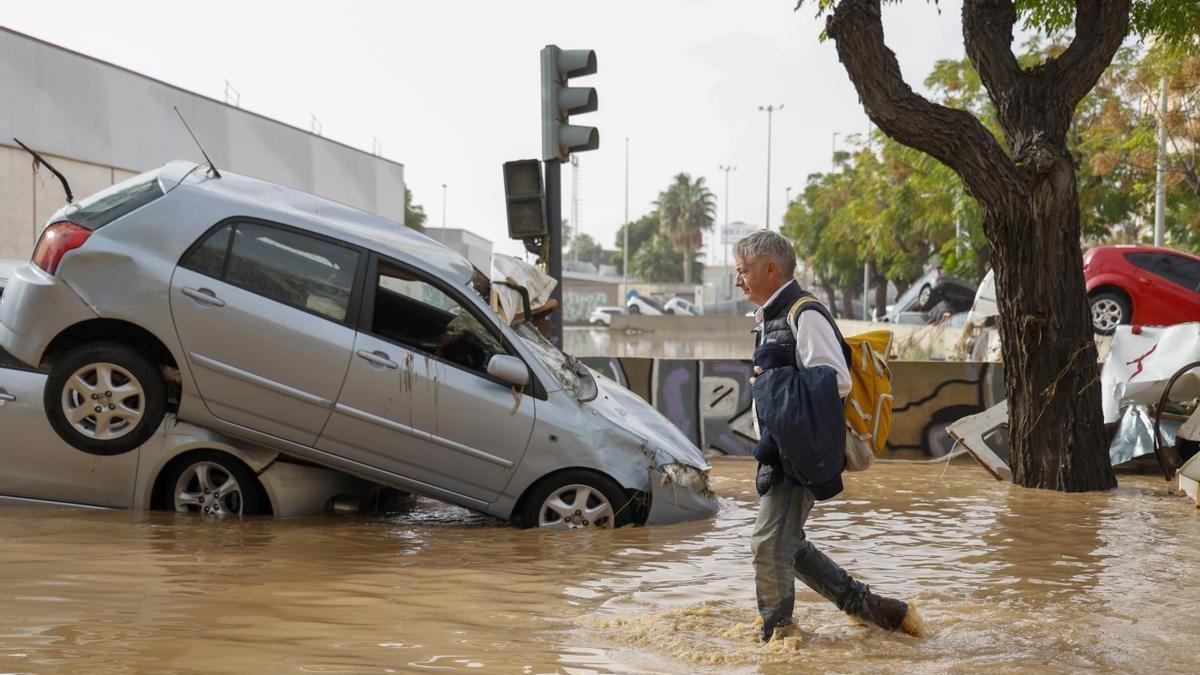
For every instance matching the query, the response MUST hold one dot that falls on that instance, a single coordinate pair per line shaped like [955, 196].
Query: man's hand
[757, 371]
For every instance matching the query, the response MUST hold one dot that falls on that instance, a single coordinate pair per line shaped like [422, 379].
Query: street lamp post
[770, 109]
[725, 232]
[625, 246]
[833, 151]
[443, 213]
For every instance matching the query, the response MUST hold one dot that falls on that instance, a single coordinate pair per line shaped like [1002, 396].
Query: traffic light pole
[553, 183]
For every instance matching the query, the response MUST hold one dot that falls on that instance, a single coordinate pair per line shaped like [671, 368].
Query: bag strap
[793, 319]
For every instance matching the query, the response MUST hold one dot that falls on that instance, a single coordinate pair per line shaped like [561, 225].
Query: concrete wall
[98, 123]
[580, 297]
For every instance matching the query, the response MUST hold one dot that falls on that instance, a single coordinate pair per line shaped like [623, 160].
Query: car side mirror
[509, 369]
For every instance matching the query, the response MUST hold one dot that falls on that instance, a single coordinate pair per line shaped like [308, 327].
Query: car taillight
[56, 241]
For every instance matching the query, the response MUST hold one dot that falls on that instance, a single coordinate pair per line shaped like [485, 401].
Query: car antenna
[212, 167]
[38, 158]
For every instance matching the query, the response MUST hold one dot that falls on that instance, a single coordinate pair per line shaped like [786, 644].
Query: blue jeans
[782, 551]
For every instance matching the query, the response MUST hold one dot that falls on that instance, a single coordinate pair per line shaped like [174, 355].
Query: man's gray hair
[770, 244]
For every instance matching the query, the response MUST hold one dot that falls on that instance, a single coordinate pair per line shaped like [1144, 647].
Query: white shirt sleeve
[817, 345]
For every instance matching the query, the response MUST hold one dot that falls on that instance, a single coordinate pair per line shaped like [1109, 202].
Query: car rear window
[121, 199]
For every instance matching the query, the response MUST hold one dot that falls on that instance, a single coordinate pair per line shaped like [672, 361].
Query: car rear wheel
[105, 398]
[634, 309]
[1109, 310]
[215, 484]
[577, 499]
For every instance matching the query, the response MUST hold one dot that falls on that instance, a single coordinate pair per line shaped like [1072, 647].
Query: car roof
[325, 216]
[1138, 248]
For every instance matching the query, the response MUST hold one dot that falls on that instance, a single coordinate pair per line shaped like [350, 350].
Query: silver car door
[371, 421]
[462, 430]
[36, 464]
[263, 313]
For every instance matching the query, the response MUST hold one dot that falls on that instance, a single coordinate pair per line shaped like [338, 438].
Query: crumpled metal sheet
[1140, 363]
[1135, 435]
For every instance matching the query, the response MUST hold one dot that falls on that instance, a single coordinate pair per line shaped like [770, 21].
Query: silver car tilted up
[333, 336]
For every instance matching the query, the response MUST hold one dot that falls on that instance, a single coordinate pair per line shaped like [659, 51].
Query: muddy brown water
[1008, 580]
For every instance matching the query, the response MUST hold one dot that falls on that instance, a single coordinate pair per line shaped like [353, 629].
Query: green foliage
[1173, 22]
[414, 214]
[585, 249]
[641, 231]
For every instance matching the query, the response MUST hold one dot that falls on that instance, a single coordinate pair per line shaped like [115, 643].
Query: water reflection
[1010, 580]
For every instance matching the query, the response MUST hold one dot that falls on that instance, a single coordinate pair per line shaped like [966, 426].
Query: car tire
[599, 323]
[634, 309]
[924, 297]
[668, 311]
[194, 483]
[605, 504]
[105, 398]
[1108, 310]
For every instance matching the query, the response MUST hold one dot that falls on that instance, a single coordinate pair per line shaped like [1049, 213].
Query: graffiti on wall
[579, 304]
[709, 399]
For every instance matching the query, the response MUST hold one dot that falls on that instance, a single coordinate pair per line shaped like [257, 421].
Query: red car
[1142, 285]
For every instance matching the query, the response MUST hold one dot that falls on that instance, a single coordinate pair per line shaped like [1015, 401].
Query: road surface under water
[1008, 580]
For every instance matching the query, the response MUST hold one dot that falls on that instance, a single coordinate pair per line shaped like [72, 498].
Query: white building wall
[99, 123]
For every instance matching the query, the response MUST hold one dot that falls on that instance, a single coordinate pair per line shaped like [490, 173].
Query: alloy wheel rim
[923, 298]
[1106, 314]
[208, 488]
[103, 401]
[575, 507]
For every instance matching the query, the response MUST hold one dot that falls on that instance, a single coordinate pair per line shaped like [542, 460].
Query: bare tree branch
[1100, 28]
[988, 35]
[955, 137]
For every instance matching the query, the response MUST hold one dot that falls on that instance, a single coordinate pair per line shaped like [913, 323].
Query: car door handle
[204, 295]
[378, 358]
[6, 397]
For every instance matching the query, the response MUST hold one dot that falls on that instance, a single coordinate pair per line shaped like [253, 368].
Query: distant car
[602, 316]
[1141, 284]
[681, 306]
[935, 294]
[640, 304]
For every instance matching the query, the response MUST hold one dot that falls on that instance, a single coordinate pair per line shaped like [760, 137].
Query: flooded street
[1009, 580]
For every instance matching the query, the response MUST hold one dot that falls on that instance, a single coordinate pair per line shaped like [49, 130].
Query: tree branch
[1100, 28]
[987, 27]
[955, 137]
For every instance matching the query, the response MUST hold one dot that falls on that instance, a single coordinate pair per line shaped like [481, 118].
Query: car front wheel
[105, 398]
[634, 309]
[577, 499]
[924, 297]
[1109, 310]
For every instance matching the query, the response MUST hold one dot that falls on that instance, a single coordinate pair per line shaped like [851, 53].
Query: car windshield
[570, 373]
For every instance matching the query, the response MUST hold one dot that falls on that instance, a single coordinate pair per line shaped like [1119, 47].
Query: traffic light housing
[525, 196]
[559, 102]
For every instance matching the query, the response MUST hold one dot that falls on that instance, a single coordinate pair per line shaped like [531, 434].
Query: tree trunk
[1030, 213]
[848, 302]
[881, 288]
[1052, 381]
[831, 297]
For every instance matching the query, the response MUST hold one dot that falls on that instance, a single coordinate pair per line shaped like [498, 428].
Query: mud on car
[332, 336]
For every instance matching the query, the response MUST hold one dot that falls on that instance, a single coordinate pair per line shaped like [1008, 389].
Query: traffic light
[559, 102]
[523, 194]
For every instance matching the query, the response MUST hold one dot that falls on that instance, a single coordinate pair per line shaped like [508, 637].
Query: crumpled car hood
[631, 413]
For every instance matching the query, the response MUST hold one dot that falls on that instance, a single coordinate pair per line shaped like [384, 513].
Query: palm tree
[686, 210]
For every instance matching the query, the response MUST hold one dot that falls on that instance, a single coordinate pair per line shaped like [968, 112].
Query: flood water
[1008, 580]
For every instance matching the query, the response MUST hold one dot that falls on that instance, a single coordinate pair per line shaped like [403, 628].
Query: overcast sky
[450, 88]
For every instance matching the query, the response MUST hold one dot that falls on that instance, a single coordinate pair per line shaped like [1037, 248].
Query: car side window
[414, 312]
[1145, 261]
[292, 268]
[208, 258]
[1179, 270]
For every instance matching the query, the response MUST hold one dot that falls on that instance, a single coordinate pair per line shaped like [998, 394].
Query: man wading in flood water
[766, 263]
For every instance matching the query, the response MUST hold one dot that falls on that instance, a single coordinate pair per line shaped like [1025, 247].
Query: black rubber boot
[891, 614]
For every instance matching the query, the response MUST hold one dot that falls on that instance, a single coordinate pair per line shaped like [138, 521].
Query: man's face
[758, 278]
